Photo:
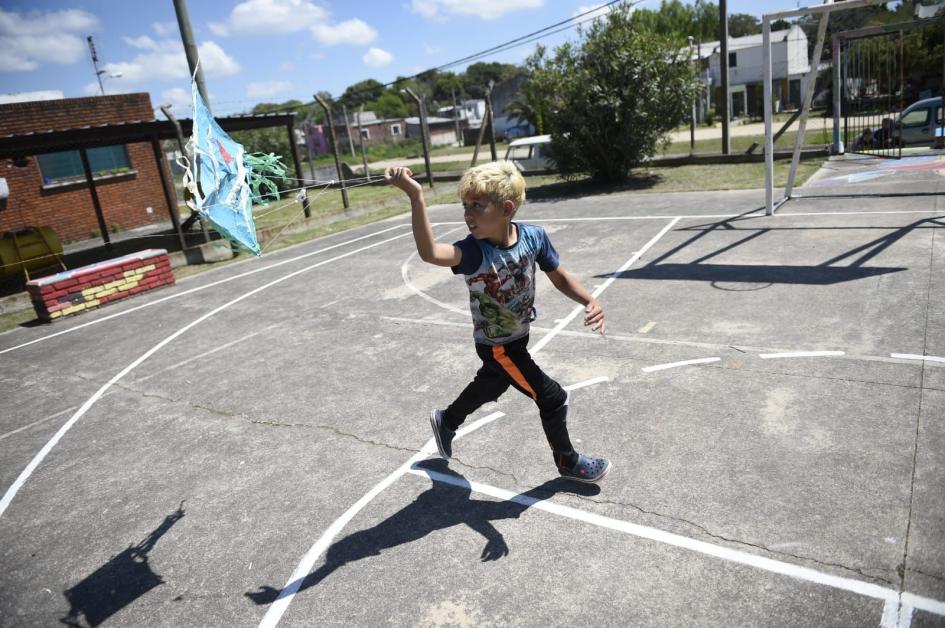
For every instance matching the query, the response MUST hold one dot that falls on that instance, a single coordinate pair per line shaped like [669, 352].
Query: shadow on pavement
[442, 506]
[119, 582]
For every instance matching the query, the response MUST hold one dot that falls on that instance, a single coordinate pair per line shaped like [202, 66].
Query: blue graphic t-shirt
[501, 282]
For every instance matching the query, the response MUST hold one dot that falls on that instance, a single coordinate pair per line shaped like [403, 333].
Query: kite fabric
[228, 180]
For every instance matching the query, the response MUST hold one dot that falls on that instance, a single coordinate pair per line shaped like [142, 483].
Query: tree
[742, 24]
[612, 98]
[389, 105]
[528, 106]
[477, 76]
[362, 91]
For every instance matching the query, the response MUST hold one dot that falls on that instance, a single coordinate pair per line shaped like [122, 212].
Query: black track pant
[512, 365]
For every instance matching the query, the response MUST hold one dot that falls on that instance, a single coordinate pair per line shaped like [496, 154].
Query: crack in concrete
[486, 468]
[704, 530]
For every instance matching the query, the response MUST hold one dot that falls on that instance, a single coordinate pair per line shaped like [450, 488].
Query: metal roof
[91, 136]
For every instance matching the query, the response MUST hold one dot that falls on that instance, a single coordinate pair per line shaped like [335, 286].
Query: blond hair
[499, 181]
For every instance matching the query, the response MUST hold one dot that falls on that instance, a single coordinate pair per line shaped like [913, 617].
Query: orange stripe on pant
[498, 352]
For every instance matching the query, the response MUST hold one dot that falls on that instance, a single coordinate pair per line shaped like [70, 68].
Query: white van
[918, 122]
[530, 153]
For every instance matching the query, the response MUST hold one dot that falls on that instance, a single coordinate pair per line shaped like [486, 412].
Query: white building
[789, 63]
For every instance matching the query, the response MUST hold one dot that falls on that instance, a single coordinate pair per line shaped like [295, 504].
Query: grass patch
[12, 320]
[740, 144]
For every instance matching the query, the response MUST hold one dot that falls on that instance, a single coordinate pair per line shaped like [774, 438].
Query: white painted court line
[896, 615]
[304, 568]
[912, 356]
[405, 274]
[197, 289]
[797, 572]
[597, 292]
[672, 365]
[801, 354]
[38, 458]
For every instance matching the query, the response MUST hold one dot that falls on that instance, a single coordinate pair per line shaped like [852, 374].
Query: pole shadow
[823, 274]
[444, 505]
[119, 582]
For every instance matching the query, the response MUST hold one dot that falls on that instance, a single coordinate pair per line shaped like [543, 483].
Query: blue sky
[266, 50]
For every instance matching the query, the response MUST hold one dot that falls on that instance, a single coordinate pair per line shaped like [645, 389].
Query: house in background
[442, 130]
[789, 63]
[51, 190]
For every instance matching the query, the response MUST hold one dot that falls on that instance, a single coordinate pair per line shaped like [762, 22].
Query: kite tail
[263, 168]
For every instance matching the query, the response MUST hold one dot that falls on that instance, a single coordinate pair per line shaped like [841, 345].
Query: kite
[228, 180]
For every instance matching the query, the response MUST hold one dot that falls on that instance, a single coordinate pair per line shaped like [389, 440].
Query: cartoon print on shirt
[503, 297]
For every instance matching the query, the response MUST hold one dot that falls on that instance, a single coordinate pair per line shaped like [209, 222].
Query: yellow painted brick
[105, 293]
[56, 314]
[127, 286]
[88, 292]
[92, 303]
[114, 284]
[140, 270]
[73, 309]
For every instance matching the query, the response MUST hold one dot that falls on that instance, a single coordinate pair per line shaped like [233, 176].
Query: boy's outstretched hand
[401, 178]
[594, 316]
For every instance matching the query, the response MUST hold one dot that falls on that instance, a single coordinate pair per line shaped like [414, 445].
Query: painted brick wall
[91, 286]
[69, 210]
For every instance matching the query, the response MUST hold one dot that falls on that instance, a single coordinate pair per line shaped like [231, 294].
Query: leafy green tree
[612, 98]
[742, 24]
[529, 107]
[389, 105]
[477, 76]
[362, 91]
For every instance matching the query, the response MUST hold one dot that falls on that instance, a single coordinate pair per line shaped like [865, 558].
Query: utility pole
[491, 120]
[367, 171]
[344, 109]
[190, 48]
[181, 145]
[334, 148]
[723, 65]
[424, 132]
[459, 136]
[692, 119]
[98, 73]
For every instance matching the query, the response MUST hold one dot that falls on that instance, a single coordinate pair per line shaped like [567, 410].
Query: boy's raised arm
[430, 251]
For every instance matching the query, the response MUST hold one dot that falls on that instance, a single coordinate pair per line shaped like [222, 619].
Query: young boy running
[498, 260]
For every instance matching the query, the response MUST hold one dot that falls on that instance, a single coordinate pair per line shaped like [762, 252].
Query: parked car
[530, 153]
[919, 125]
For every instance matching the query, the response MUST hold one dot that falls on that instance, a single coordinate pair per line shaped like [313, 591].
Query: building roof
[749, 41]
[91, 136]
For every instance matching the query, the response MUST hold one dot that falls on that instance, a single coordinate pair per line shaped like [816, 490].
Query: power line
[566, 24]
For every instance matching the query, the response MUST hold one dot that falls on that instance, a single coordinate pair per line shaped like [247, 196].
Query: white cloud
[179, 99]
[143, 42]
[353, 31]
[318, 56]
[219, 29]
[165, 60]
[267, 89]
[271, 17]
[375, 57]
[32, 39]
[165, 29]
[486, 9]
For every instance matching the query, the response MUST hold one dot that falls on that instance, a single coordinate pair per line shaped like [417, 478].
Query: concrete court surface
[792, 475]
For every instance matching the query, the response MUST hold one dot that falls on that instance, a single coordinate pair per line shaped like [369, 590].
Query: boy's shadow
[442, 506]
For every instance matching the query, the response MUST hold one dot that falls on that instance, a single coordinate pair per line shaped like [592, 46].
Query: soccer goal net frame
[823, 11]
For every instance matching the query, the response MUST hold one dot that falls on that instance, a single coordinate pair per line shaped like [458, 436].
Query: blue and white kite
[225, 186]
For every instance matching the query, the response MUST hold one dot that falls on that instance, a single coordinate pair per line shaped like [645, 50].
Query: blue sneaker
[586, 469]
[444, 436]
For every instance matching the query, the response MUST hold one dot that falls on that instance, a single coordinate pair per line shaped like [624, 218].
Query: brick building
[51, 190]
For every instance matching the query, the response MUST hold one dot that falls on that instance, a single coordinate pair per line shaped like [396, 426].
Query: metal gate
[886, 71]
[873, 92]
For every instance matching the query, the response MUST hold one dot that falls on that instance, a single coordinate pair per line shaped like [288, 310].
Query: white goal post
[824, 12]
